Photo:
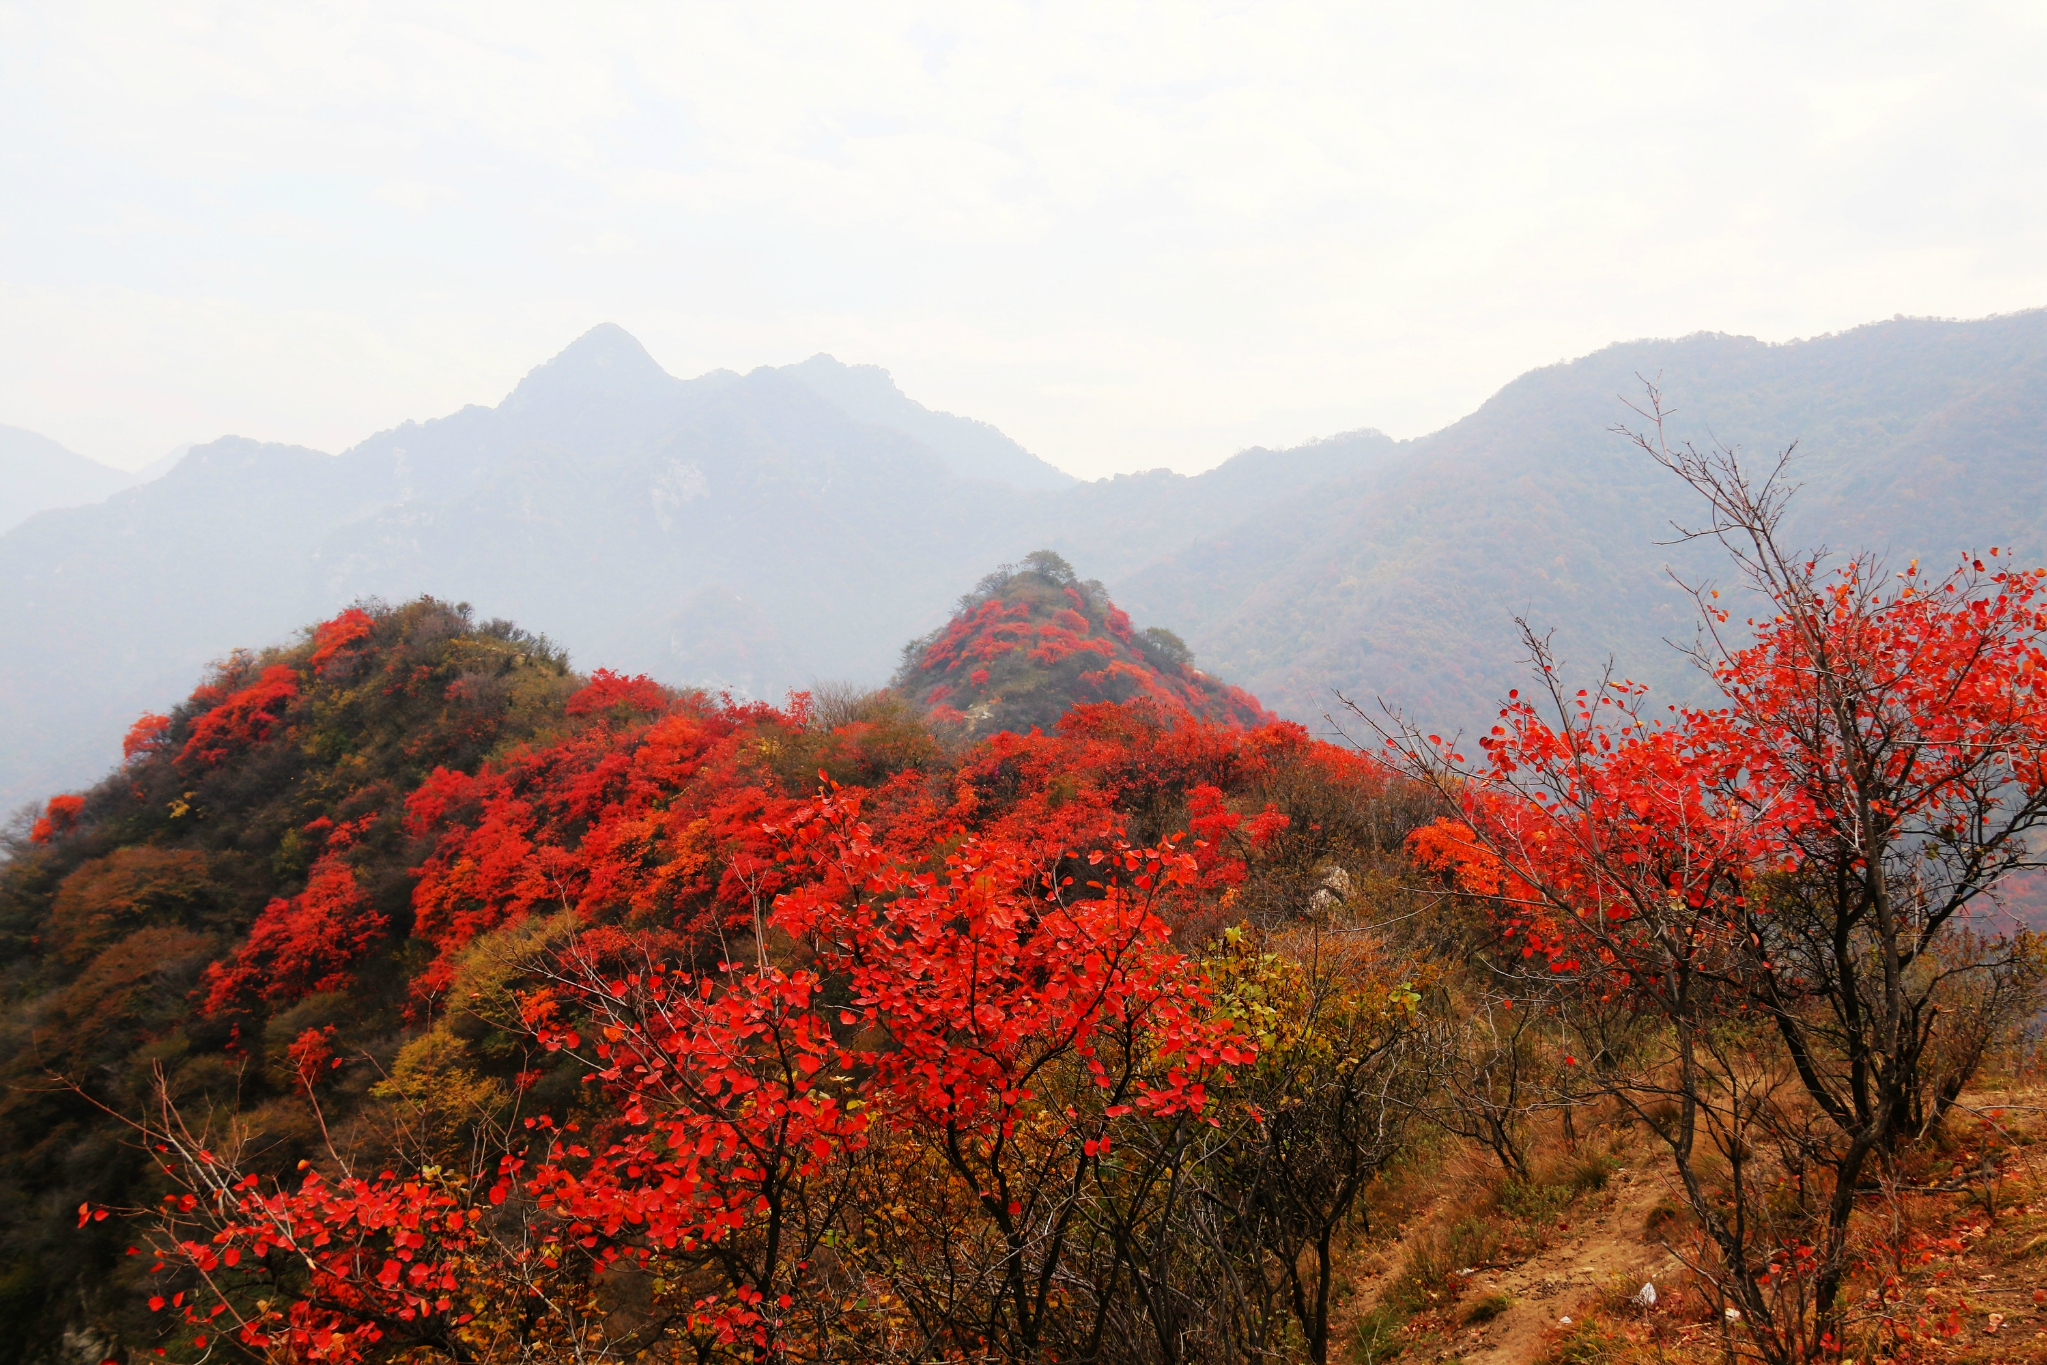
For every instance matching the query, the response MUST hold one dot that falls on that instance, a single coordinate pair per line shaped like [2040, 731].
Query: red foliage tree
[608, 691]
[300, 946]
[373, 1264]
[59, 817]
[979, 985]
[311, 1056]
[1033, 641]
[344, 632]
[724, 1153]
[1807, 855]
[658, 821]
[145, 737]
[734, 1101]
[966, 956]
[240, 721]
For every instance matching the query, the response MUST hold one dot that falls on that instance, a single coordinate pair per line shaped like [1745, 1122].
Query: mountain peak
[827, 372]
[1032, 641]
[605, 364]
[606, 344]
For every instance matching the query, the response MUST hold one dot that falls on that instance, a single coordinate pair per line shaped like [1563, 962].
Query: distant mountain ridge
[739, 531]
[754, 532]
[1920, 437]
[37, 474]
[971, 449]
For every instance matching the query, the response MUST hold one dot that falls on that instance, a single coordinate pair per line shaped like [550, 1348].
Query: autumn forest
[405, 994]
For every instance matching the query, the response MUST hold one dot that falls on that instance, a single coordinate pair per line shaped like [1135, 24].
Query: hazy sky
[1128, 235]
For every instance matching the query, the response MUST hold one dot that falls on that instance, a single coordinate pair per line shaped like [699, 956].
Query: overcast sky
[1128, 235]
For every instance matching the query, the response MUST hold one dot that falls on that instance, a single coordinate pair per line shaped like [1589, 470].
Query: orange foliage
[241, 720]
[330, 638]
[145, 736]
[59, 817]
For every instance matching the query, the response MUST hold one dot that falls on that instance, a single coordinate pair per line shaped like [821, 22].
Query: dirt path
[1567, 1276]
[1601, 1243]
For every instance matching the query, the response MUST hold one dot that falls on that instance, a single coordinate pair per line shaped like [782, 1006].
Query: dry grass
[1947, 1263]
[1487, 1307]
[1438, 1243]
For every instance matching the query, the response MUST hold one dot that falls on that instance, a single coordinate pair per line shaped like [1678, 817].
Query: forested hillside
[788, 526]
[298, 880]
[1032, 641]
[405, 996]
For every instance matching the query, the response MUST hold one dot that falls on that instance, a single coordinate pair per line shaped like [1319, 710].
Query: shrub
[1592, 1173]
[1488, 1307]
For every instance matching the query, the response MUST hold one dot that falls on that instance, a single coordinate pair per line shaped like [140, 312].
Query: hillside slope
[327, 849]
[1032, 641]
[970, 449]
[110, 610]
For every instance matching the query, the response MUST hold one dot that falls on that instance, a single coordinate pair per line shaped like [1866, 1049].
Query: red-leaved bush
[242, 720]
[60, 816]
[145, 736]
[300, 946]
[331, 638]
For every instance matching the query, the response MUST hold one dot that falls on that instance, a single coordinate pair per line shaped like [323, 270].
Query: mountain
[761, 531]
[740, 531]
[970, 449]
[1032, 641]
[37, 474]
[1121, 524]
[108, 607]
[1917, 437]
[329, 849]
[749, 492]
[162, 464]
